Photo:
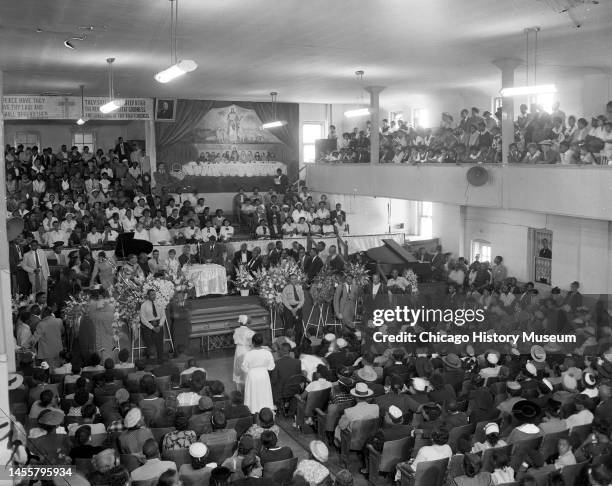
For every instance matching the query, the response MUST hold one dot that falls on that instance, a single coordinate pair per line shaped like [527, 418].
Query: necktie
[264, 230]
[37, 260]
[154, 309]
[295, 294]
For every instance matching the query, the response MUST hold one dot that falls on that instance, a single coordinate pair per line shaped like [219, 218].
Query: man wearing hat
[361, 411]
[453, 370]
[313, 470]
[549, 155]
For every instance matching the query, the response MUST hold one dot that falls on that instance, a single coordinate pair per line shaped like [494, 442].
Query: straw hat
[452, 360]
[319, 451]
[538, 354]
[132, 418]
[361, 390]
[198, 450]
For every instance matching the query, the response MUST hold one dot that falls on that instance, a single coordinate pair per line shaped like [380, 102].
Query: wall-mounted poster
[218, 146]
[164, 109]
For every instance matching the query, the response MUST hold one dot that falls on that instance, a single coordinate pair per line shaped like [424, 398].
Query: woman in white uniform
[242, 340]
[256, 364]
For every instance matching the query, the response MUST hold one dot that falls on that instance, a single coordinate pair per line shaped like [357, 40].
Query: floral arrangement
[324, 286]
[76, 306]
[244, 280]
[20, 301]
[358, 272]
[164, 290]
[270, 283]
[412, 282]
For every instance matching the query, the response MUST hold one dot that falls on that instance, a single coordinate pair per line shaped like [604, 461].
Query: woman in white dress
[242, 340]
[257, 364]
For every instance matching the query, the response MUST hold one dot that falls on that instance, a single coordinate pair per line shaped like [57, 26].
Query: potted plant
[244, 281]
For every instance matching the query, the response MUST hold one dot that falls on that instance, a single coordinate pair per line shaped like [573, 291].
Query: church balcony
[578, 191]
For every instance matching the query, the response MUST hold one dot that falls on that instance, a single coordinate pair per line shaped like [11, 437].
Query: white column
[7, 344]
[507, 67]
[375, 119]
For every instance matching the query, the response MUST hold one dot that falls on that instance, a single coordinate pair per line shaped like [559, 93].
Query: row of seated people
[536, 414]
[423, 390]
[107, 419]
[540, 137]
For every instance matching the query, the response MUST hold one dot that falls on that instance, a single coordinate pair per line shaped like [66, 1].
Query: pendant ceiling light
[535, 88]
[82, 120]
[275, 123]
[177, 68]
[358, 111]
[113, 103]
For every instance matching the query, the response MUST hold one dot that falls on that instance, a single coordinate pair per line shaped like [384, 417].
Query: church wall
[55, 134]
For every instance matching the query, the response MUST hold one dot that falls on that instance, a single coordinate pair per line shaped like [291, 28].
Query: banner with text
[25, 107]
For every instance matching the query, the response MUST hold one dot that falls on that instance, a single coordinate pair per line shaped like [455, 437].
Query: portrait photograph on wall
[165, 109]
[220, 146]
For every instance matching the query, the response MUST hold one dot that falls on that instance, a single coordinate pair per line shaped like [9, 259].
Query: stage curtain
[172, 138]
[284, 111]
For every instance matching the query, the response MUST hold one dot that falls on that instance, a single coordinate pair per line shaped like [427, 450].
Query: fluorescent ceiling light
[528, 90]
[274, 124]
[81, 121]
[357, 112]
[112, 105]
[178, 69]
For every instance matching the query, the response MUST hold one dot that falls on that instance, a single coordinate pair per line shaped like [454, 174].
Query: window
[482, 250]
[420, 117]
[544, 100]
[82, 139]
[425, 210]
[27, 139]
[311, 131]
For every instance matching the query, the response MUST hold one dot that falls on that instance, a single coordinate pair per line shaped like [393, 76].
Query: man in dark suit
[315, 265]
[212, 252]
[281, 182]
[122, 149]
[398, 368]
[376, 296]
[256, 262]
[437, 263]
[242, 257]
[275, 254]
[20, 283]
[303, 260]
[286, 367]
[338, 216]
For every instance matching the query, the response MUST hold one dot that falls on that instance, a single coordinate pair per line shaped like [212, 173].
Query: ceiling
[307, 50]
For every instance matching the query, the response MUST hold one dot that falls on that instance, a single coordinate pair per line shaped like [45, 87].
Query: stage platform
[213, 319]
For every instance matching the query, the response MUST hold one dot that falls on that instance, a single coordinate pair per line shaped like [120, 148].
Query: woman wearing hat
[492, 439]
[52, 445]
[313, 470]
[242, 340]
[198, 470]
[525, 414]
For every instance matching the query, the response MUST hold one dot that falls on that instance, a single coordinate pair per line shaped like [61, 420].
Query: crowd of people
[539, 138]
[83, 201]
[540, 410]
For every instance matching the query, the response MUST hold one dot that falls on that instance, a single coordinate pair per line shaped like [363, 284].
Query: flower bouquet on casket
[359, 274]
[164, 290]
